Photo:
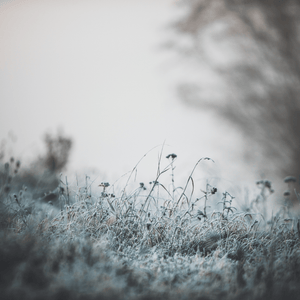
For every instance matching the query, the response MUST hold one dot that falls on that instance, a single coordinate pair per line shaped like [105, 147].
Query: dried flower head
[267, 184]
[286, 193]
[290, 179]
[172, 155]
[213, 190]
[104, 184]
[264, 183]
[142, 186]
[154, 182]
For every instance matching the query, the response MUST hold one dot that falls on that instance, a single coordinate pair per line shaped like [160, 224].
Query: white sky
[94, 69]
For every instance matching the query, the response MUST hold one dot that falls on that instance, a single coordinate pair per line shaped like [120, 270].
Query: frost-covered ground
[151, 242]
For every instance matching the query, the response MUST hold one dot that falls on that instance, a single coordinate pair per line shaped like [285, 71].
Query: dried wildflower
[267, 184]
[104, 184]
[12, 160]
[213, 190]
[286, 193]
[290, 179]
[172, 155]
[142, 186]
[18, 164]
[264, 183]
[154, 182]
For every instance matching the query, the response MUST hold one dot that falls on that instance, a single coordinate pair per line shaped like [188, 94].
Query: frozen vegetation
[151, 242]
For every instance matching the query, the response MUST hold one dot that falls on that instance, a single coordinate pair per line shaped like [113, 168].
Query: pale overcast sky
[95, 69]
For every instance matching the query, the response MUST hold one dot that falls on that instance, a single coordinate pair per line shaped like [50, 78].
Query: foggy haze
[96, 70]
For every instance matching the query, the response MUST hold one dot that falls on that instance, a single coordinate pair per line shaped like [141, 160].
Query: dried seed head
[286, 193]
[142, 186]
[154, 182]
[267, 184]
[12, 160]
[213, 190]
[104, 184]
[6, 166]
[172, 155]
[18, 164]
[290, 179]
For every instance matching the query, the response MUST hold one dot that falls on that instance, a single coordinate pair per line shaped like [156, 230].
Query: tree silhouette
[261, 44]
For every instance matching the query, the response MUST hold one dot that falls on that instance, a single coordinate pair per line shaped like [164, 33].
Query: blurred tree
[259, 42]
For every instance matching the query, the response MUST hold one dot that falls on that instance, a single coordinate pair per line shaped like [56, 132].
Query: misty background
[121, 77]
